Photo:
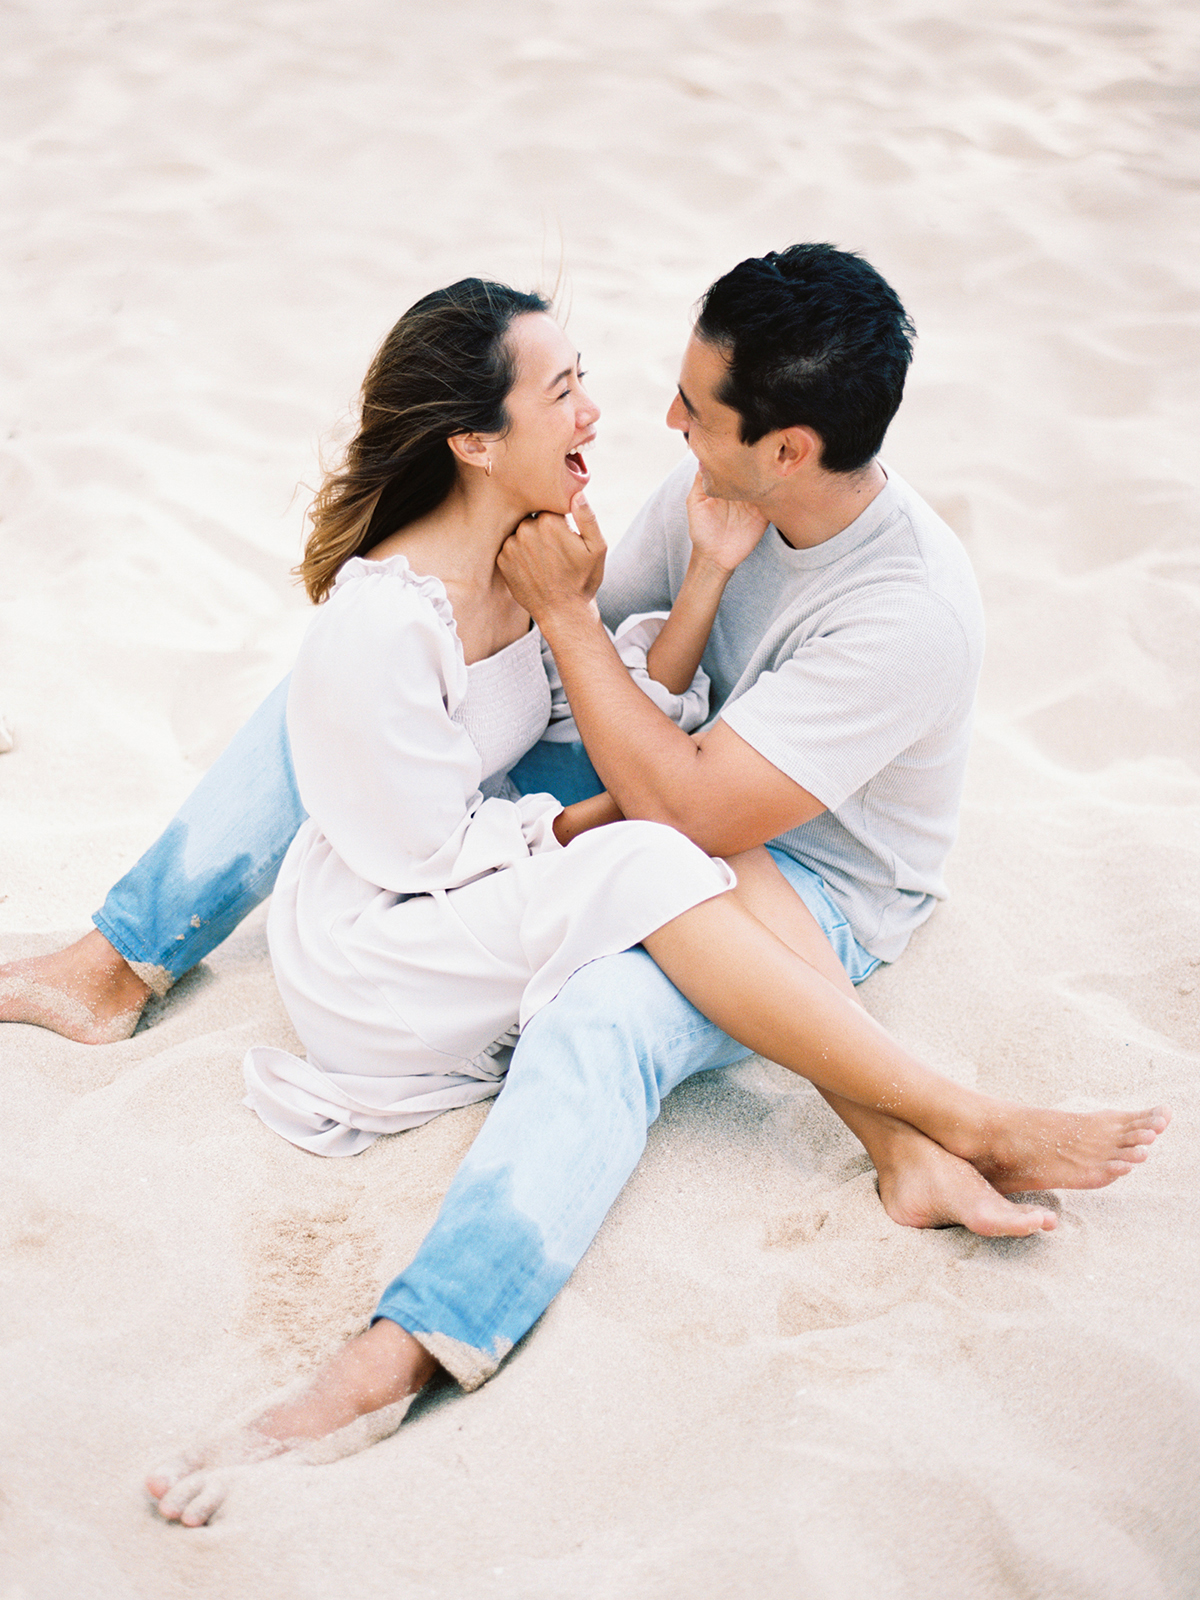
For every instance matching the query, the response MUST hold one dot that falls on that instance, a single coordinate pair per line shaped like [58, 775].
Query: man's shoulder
[656, 544]
[913, 518]
[897, 579]
[914, 547]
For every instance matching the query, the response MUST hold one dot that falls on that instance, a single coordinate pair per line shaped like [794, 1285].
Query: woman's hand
[546, 564]
[584, 815]
[723, 532]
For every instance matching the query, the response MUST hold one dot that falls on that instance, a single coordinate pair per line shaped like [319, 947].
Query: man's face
[729, 469]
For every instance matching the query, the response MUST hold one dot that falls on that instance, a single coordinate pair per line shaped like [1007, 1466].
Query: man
[843, 655]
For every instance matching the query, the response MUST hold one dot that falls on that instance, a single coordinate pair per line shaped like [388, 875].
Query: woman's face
[538, 463]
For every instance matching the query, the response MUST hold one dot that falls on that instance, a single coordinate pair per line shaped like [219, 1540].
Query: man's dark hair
[814, 338]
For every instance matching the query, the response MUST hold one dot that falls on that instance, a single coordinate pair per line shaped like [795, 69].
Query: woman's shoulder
[383, 622]
[392, 587]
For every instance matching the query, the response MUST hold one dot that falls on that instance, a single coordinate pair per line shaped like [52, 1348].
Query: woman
[422, 915]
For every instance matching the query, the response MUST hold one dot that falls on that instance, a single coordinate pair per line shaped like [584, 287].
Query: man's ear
[796, 448]
[470, 449]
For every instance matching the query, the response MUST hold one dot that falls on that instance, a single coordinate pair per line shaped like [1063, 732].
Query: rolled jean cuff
[470, 1368]
[161, 965]
[156, 978]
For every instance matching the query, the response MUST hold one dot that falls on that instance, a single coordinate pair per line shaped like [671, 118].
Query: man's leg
[587, 1079]
[214, 863]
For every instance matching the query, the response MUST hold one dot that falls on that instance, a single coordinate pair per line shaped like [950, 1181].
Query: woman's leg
[587, 1079]
[756, 988]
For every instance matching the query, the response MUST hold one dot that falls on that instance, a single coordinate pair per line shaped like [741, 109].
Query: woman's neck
[458, 542]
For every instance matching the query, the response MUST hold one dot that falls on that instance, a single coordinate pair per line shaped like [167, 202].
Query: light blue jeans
[586, 1081]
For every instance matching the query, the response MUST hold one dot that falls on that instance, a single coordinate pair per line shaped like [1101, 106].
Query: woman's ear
[471, 450]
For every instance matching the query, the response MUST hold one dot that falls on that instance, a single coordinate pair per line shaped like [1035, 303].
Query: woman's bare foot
[1019, 1148]
[87, 992]
[354, 1399]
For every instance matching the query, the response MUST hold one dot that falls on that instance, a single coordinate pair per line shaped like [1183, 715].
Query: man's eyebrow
[687, 404]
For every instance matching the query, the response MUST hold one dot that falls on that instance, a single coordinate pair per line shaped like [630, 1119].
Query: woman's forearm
[584, 815]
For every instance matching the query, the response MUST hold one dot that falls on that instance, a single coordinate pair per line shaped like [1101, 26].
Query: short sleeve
[880, 675]
[381, 767]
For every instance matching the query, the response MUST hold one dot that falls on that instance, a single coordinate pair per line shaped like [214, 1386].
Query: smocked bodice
[506, 707]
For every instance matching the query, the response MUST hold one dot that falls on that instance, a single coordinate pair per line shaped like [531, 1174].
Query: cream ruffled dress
[425, 911]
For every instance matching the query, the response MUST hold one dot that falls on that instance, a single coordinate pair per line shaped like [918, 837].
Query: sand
[755, 1384]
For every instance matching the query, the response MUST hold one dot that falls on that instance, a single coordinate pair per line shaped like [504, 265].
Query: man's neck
[818, 507]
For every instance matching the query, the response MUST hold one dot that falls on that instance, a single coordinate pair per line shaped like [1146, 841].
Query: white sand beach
[755, 1385]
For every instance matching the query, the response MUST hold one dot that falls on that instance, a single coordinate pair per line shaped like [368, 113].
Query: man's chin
[718, 491]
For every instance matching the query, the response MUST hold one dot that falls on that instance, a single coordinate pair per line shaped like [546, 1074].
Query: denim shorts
[858, 962]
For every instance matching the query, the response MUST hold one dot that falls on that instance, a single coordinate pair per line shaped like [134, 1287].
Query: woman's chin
[561, 502]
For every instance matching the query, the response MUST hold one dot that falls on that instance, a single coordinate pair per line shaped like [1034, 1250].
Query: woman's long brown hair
[445, 368]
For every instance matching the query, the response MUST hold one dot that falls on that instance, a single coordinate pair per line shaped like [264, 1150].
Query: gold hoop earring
[487, 466]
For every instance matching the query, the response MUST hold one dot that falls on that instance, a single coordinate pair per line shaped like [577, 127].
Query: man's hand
[724, 532]
[548, 566]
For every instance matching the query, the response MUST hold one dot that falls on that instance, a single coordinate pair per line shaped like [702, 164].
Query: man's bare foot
[929, 1188]
[354, 1399]
[1019, 1148]
[87, 992]
[923, 1186]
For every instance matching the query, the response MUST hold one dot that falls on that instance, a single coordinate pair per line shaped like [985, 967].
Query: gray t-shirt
[851, 667]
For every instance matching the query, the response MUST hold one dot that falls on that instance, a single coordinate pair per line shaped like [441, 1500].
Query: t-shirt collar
[868, 522]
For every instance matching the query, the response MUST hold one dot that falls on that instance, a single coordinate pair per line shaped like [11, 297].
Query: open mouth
[576, 465]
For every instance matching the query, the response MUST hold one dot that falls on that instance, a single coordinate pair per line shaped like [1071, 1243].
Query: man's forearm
[715, 788]
[646, 763]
